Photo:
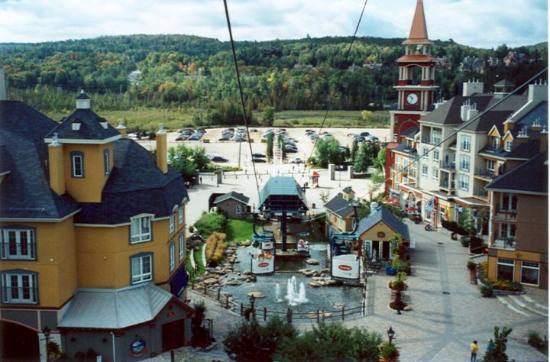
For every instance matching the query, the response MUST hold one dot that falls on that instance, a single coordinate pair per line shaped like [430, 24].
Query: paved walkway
[447, 312]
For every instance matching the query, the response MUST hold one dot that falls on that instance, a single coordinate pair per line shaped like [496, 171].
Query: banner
[345, 266]
[263, 263]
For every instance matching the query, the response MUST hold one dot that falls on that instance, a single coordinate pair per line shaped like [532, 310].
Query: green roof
[281, 186]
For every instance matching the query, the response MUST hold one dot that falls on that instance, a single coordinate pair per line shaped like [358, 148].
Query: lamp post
[46, 331]
[252, 306]
[391, 334]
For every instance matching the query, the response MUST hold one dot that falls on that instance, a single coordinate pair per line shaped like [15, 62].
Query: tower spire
[419, 32]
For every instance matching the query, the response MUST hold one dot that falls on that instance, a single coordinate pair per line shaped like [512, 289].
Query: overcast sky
[481, 23]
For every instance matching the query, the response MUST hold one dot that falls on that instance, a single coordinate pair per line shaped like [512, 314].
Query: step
[528, 299]
[507, 303]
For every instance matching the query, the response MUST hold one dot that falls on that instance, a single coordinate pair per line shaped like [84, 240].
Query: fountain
[294, 295]
[278, 293]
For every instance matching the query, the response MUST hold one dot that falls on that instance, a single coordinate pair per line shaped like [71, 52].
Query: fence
[262, 313]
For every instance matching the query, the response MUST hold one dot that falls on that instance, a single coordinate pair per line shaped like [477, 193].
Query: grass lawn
[379, 119]
[199, 261]
[238, 230]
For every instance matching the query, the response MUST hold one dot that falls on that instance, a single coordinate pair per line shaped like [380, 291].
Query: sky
[479, 23]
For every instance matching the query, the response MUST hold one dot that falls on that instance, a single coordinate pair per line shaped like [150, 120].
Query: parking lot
[231, 150]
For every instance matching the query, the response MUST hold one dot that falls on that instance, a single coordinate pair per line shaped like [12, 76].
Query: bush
[535, 340]
[507, 285]
[465, 241]
[388, 352]
[210, 223]
[471, 265]
[215, 248]
[486, 290]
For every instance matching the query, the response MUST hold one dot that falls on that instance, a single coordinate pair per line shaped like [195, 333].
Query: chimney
[3, 86]
[508, 126]
[162, 151]
[538, 92]
[56, 166]
[121, 128]
[472, 87]
[536, 126]
[543, 140]
[468, 111]
[348, 194]
[82, 101]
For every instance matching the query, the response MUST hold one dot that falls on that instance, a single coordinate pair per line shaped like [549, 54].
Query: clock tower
[415, 86]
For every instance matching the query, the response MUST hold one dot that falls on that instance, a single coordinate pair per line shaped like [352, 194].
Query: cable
[243, 108]
[346, 55]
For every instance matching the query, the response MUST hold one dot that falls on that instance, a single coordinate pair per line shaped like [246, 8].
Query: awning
[179, 281]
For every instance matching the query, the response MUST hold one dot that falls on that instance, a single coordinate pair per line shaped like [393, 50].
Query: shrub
[215, 247]
[471, 265]
[498, 353]
[465, 241]
[210, 223]
[507, 285]
[388, 352]
[486, 290]
[535, 340]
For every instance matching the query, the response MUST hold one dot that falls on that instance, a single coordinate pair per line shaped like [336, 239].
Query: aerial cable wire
[346, 55]
[241, 95]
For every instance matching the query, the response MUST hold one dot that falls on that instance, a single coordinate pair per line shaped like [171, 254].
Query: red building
[415, 86]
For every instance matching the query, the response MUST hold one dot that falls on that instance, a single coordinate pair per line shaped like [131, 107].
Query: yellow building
[87, 216]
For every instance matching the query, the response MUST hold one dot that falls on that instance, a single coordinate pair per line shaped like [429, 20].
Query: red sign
[263, 264]
[344, 267]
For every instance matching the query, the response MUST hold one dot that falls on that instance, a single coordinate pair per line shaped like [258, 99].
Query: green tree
[269, 147]
[362, 160]
[252, 342]
[380, 160]
[498, 353]
[268, 116]
[188, 161]
[354, 149]
[331, 342]
[328, 151]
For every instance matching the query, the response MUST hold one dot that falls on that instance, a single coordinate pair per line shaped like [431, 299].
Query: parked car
[297, 160]
[258, 155]
[217, 159]
[254, 130]
[364, 134]
[291, 149]
[195, 136]
[182, 137]
[258, 160]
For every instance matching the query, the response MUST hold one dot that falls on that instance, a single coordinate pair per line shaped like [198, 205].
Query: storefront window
[530, 273]
[505, 269]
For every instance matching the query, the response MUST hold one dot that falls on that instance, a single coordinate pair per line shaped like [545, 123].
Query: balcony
[485, 174]
[447, 166]
[481, 195]
[505, 216]
[504, 243]
[446, 186]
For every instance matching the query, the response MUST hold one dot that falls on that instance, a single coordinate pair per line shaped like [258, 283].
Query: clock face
[412, 98]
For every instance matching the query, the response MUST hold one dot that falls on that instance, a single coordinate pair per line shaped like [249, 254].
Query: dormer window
[77, 164]
[104, 124]
[495, 143]
[75, 126]
[508, 146]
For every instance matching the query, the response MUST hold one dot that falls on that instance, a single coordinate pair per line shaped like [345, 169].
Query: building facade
[82, 208]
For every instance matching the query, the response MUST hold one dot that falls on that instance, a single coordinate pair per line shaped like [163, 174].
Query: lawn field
[149, 119]
[238, 230]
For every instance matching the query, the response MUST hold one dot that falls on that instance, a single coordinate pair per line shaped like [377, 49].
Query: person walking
[490, 346]
[474, 347]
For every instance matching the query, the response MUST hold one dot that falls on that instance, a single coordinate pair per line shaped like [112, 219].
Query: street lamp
[46, 331]
[391, 334]
[252, 307]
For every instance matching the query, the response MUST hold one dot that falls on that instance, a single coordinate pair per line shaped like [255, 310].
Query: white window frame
[19, 255]
[73, 163]
[506, 231]
[140, 275]
[435, 173]
[436, 155]
[106, 161]
[426, 169]
[510, 203]
[238, 209]
[464, 163]
[7, 287]
[172, 223]
[463, 182]
[491, 164]
[436, 140]
[181, 241]
[172, 254]
[140, 236]
[465, 143]
[508, 146]
[495, 143]
[180, 214]
[537, 268]
[508, 262]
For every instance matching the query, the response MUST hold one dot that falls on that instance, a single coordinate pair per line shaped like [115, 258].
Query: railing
[506, 244]
[445, 185]
[447, 165]
[483, 172]
[505, 215]
[484, 195]
[20, 295]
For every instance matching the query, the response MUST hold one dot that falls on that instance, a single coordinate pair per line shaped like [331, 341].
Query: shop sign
[137, 348]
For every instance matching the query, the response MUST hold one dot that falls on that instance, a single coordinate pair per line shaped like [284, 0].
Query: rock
[233, 282]
[332, 282]
[316, 274]
[325, 270]
[312, 261]
[247, 273]
[210, 281]
[246, 243]
[314, 284]
[256, 295]
[338, 306]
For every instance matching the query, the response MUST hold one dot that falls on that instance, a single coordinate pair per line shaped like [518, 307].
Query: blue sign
[137, 348]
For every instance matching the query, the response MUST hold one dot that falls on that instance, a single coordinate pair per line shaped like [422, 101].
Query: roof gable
[382, 214]
[93, 128]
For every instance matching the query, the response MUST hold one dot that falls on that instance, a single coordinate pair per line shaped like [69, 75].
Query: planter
[402, 287]
[454, 236]
[391, 271]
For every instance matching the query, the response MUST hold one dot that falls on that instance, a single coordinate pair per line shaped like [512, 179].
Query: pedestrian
[474, 347]
[490, 346]
[200, 180]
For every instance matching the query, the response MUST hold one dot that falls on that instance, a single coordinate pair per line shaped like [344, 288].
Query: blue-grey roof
[135, 186]
[387, 217]
[402, 147]
[411, 132]
[281, 186]
[25, 192]
[530, 177]
[90, 127]
[115, 308]
[232, 195]
[538, 114]
[339, 206]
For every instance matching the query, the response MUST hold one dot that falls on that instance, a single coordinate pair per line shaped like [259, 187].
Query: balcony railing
[505, 215]
[447, 165]
[445, 185]
[504, 243]
[486, 173]
[483, 195]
